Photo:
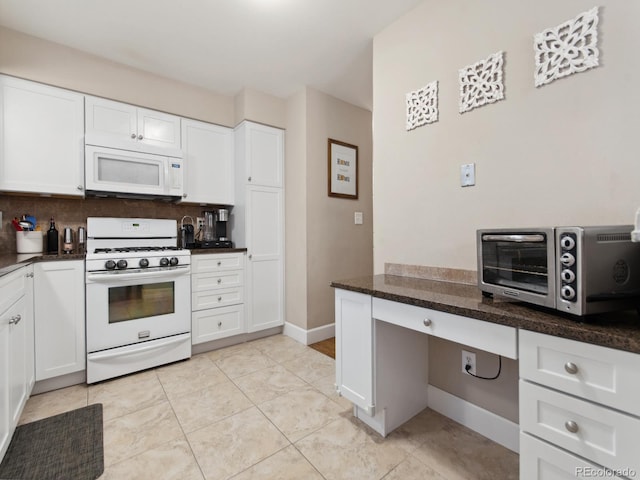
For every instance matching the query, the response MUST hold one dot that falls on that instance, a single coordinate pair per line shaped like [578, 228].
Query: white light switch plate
[468, 175]
[357, 218]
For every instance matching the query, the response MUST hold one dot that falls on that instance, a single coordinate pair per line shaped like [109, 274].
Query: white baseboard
[486, 423]
[307, 337]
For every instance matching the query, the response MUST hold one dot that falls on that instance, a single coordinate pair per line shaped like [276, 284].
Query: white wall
[564, 153]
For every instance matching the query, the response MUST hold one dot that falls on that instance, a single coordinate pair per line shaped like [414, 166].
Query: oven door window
[518, 265]
[141, 301]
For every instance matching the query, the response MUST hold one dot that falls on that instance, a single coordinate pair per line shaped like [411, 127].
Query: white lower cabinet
[16, 350]
[59, 318]
[578, 409]
[217, 296]
[354, 348]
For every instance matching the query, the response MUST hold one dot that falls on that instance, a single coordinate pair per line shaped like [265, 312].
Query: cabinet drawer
[12, 287]
[201, 282]
[603, 375]
[491, 337]
[540, 460]
[217, 262]
[216, 298]
[214, 323]
[605, 436]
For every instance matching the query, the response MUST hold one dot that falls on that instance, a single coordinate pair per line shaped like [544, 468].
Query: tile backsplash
[72, 212]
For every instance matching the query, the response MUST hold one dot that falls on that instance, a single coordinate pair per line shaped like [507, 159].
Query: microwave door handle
[532, 238]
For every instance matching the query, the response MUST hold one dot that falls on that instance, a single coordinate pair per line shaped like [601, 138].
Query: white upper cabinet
[120, 125]
[41, 138]
[208, 163]
[262, 149]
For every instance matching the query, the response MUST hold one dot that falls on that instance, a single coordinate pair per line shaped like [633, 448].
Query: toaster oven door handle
[531, 238]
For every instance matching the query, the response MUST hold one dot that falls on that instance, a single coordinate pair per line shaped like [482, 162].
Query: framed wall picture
[343, 170]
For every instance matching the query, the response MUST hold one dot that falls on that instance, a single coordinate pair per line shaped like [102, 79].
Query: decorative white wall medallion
[571, 47]
[422, 106]
[481, 83]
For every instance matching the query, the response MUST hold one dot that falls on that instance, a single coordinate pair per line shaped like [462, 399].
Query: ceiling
[274, 46]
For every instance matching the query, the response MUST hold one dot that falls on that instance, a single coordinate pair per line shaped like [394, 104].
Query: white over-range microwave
[123, 173]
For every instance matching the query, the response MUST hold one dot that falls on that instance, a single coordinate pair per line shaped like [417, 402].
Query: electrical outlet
[200, 223]
[468, 358]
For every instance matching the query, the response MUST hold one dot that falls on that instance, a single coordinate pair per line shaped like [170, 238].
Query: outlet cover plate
[468, 175]
[468, 357]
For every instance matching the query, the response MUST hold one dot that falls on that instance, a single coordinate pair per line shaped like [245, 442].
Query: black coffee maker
[215, 229]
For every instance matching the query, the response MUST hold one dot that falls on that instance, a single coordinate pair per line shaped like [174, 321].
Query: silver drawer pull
[219, 299]
[15, 320]
[427, 322]
[571, 426]
[219, 263]
[571, 368]
[219, 280]
[219, 324]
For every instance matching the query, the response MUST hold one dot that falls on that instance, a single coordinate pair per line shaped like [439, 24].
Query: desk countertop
[619, 330]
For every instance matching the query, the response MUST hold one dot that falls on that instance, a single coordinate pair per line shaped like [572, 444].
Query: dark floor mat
[67, 446]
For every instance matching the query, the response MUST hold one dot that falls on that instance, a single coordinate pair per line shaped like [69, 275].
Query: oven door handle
[115, 277]
[532, 238]
[138, 350]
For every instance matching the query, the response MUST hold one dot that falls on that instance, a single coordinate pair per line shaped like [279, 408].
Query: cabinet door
[158, 129]
[18, 347]
[208, 163]
[265, 275]
[354, 348]
[59, 318]
[215, 323]
[42, 131]
[264, 155]
[6, 428]
[110, 123]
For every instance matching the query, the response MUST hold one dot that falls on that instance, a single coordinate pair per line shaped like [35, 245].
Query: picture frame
[342, 170]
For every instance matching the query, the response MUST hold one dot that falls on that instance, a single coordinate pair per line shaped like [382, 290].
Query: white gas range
[138, 293]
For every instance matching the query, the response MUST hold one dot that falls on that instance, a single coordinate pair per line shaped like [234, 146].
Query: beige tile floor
[264, 410]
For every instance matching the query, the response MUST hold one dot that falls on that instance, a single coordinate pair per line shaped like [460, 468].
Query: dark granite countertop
[201, 251]
[619, 330]
[12, 261]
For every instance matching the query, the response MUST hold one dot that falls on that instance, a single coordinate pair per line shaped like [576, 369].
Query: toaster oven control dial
[174, 261]
[567, 259]
[567, 242]
[568, 276]
[568, 293]
[110, 265]
[122, 264]
[164, 261]
[144, 263]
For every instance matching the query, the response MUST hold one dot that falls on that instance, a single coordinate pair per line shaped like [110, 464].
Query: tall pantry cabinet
[258, 220]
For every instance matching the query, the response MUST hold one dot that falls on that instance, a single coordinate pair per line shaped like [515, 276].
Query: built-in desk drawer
[491, 337]
[603, 435]
[544, 461]
[600, 374]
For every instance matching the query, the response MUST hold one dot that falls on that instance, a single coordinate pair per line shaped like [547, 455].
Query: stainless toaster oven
[578, 270]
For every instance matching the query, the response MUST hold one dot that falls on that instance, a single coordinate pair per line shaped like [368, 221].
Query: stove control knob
[568, 293]
[144, 263]
[567, 259]
[122, 264]
[164, 261]
[110, 265]
[174, 261]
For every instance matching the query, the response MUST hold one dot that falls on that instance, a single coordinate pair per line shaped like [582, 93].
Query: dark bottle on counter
[52, 238]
